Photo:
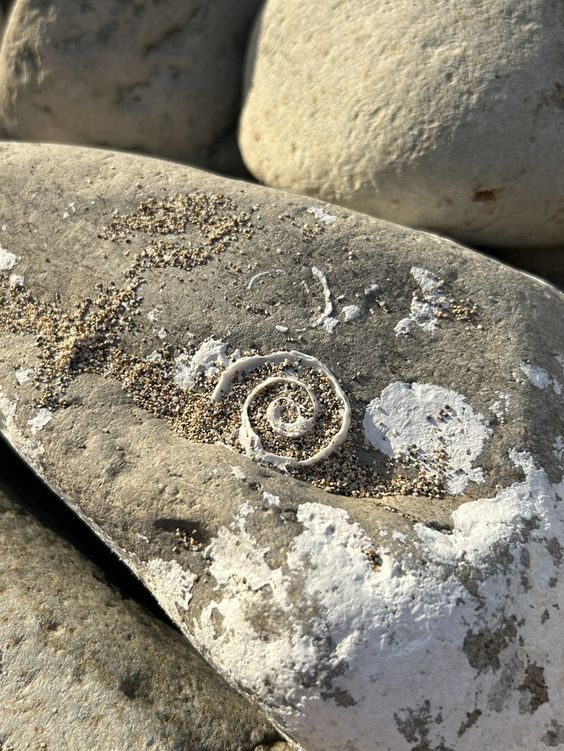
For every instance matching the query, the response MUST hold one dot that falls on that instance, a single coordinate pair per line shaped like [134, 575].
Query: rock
[83, 667]
[435, 115]
[544, 262]
[145, 307]
[160, 78]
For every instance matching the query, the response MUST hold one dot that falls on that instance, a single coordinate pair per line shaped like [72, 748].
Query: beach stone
[83, 666]
[159, 78]
[362, 533]
[437, 115]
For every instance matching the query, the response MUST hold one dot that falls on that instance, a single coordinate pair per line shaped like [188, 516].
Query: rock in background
[160, 78]
[420, 601]
[82, 667]
[439, 115]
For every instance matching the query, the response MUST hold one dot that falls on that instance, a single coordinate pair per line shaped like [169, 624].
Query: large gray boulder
[438, 114]
[83, 667]
[362, 533]
[161, 78]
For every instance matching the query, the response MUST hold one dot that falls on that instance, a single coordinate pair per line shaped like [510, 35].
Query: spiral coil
[293, 413]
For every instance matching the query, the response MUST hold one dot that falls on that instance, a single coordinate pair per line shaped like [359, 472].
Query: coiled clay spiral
[291, 414]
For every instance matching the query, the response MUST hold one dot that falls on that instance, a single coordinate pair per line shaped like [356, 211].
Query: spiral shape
[294, 401]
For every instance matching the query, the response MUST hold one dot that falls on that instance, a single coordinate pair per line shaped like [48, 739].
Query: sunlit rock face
[165, 333]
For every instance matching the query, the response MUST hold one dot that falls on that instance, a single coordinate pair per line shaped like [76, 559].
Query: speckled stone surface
[420, 607]
[84, 667]
[440, 115]
[160, 78]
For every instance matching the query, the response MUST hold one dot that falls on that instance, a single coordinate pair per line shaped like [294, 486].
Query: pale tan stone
[160, 78]
[437, 114]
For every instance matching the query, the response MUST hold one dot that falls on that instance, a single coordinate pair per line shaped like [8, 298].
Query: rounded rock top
[438, 115]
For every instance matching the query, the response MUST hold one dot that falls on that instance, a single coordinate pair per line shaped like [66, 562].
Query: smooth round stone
[440, 115]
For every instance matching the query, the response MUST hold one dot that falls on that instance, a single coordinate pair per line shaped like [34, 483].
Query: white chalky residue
[254, 280]
[153, 315]
[432, 419]
[540, 378]
[7, 259]
[162, 333]
[322, 215]
[210, 357]
[42, 418]
[16, 281]
[154, 356]
[71, 209]
[560, 360]
[172, 584]
[326, 319]
[23, 375]
[372, 289]
[270, 499]
[238, 473]
[392, 641]
[350, 313]
[424, 312]
[500, 406]
[31, 448]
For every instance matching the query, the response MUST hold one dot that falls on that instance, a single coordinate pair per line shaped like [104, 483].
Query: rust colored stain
[485, 196]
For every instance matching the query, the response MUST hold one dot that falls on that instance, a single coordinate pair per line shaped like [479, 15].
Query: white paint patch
[540, 378]
[436, 423]
[238, 473]
[257, 277]
[382, 649]
[322, 215]
[326, 319]
[210, 357]
[424, 312]
[7, 259]
[501, 405]
[16, 281]
[42, 418]
[350, 313]
[171, 583]
[270, 499]
[282, 329]
[23, 375]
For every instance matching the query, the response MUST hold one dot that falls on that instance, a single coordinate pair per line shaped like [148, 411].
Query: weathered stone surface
[420, 603]
[439, 115]
[162, 78]
[83, 668]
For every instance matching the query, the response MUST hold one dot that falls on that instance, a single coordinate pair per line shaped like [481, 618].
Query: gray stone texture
[423, 612]
[161, 78]
[84, 667]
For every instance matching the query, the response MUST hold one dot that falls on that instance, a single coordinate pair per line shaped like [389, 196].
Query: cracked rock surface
[406, 588]
[160, 78]
[83, 667]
